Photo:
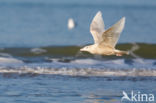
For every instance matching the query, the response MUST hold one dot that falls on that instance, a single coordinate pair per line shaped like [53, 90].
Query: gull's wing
[97, 27]
[110, 36]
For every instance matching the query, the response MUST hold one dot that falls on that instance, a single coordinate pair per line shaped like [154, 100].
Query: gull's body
[105, 40]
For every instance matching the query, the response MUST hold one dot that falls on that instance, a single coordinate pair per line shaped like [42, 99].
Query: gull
[105, 40]
[71, 23]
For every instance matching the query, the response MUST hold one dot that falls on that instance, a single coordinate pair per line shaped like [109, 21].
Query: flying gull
[71, 23]
[105, 40]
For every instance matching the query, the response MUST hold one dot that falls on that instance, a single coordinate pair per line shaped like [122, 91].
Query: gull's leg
[120, 53]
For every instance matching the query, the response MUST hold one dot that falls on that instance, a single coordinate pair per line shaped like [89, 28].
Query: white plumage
[71, 23]
[105, 40]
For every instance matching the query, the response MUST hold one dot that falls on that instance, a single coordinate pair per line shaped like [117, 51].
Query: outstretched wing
[97, 27]
[110, 36]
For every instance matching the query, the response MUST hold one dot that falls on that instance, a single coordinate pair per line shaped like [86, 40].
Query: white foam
[9, 60]
[5, 55]
[81, 67]
[81, 72]
[38, 50]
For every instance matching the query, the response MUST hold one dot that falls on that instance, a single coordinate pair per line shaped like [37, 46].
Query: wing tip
[123, 19]
[99, 13]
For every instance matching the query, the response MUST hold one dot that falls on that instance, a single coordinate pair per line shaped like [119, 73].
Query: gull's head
[86, 48]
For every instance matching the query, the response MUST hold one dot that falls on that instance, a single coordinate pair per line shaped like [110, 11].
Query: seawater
[40, 61]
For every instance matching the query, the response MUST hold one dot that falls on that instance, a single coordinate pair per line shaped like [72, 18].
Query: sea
[41, 62]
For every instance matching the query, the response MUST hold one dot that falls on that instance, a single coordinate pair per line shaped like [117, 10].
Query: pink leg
[118, 54]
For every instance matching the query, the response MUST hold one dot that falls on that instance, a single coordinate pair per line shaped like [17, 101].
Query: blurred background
[38, 23]
[40, 61]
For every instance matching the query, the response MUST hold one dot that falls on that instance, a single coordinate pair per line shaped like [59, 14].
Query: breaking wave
[80, 72]
[67, 60]
[84, 67]
[146, 51]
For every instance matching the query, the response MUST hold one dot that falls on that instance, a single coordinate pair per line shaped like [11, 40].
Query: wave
[6, 60]
[37, 50]
[138, 50]
[85, 67]
[67, 60]
[81, 72]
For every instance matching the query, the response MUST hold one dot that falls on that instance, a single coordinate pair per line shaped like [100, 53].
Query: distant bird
[71, 23]
[105, 40]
